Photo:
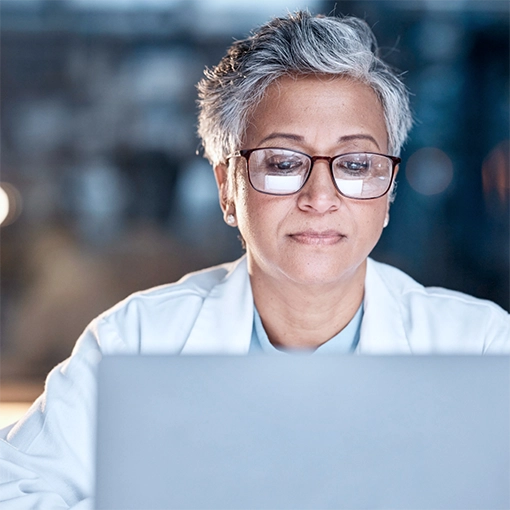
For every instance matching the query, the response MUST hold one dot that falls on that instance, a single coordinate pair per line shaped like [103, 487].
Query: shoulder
[405, 288]
[445, 317]
[160, 319]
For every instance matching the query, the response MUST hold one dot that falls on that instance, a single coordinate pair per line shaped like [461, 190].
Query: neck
[304, 316]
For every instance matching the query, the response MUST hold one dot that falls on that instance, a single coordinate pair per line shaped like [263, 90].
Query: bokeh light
[496, 174]
[10, 204]
[4, 205]
[429, 171]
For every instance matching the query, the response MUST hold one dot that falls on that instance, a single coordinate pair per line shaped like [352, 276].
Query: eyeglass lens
[283, 172]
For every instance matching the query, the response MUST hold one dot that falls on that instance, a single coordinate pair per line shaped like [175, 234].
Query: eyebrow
[342, 139]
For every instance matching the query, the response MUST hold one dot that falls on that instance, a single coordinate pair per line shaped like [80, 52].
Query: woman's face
[315, 236]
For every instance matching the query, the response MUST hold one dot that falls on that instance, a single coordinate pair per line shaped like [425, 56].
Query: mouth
[315, 238]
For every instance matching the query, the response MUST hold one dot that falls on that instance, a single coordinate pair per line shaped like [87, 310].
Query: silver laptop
[301, 432]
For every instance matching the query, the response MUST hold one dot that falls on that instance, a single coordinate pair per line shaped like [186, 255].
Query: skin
[307, 252]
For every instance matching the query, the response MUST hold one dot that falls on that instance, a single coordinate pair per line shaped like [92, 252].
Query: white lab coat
[46, 459]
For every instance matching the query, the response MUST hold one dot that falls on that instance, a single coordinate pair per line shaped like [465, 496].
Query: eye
[353, 165]
[283, 165]
[356, 166]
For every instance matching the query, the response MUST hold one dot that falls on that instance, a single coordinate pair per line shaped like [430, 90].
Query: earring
[231, 219]
[386, 221]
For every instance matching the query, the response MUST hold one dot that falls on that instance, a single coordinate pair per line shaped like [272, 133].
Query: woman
[303, 125]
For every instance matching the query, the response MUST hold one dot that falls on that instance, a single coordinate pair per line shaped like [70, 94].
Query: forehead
[317, 109]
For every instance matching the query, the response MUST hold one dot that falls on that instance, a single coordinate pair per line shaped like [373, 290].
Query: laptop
[303, 432]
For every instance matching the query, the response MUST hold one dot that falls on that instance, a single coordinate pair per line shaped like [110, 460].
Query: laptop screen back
[286, 432]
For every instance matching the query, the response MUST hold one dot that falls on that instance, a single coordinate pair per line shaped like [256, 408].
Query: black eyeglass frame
[246, 153]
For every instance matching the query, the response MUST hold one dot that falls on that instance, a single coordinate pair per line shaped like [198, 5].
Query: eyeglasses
[359, 175]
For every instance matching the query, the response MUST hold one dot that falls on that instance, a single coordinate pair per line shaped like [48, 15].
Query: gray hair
[299, 44]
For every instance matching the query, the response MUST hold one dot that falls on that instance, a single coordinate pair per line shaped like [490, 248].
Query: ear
[390, 200]
[221, 176]
[397, 168]
[392, 191]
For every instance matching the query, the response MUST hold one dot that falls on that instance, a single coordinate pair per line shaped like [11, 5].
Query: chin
[314, 273]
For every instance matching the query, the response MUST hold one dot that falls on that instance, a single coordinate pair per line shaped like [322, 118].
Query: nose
[319, 193]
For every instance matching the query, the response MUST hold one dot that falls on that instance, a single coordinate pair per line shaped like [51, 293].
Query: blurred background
[102, 192]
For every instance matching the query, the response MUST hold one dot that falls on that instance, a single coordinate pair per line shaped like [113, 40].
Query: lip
[317, 238]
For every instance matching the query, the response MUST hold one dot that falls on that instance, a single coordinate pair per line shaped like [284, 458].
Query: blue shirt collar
[344, 342]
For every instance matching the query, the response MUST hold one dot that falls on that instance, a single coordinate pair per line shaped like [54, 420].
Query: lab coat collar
[382, 327]
[224, 324]
[225, 321]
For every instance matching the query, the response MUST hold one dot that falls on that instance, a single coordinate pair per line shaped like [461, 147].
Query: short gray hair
[297, 45]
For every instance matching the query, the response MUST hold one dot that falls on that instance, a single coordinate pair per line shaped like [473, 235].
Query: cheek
[371, 216]
[249, 209]
[260, 216]
[241, 195]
